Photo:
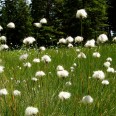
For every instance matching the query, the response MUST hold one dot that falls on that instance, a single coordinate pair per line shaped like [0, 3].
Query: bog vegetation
[73, 77]
[60, 81]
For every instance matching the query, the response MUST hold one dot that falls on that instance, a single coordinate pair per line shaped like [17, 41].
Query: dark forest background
[61, 18]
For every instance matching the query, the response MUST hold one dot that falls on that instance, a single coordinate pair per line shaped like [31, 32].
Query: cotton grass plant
[79, 81]
[26, 89]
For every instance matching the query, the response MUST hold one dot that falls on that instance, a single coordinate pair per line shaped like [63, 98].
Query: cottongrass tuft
[36, 60]
[102, 38]
[81, 55]
[3, 92]
[87, 99]
[68, 83]
[114, 39]
[90, 43]
[59, 68]
[110, 70]
[43, 21]
[107, 64]
[62, 41]
[46, 58]
[31, 111]
[78, 39]
[96, 55]
[81, 14]
[78, 50]
[34, 79]
[70, 45]
[29, 40]
[39, 74]
[72, 68]
[3, 39]
[69, 39]
[23, 57]
[62, 73]
[27, 64]
[3, 47]
[64, 95]
[42, 48]
[98, 74]
[39, 25]
[109, 59]
[11, 25]
[16, 93]
[74, 64]
[105, 82]
[1, 28]
[1, 69]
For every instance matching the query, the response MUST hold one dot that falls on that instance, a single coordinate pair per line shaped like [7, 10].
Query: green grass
[43, 94]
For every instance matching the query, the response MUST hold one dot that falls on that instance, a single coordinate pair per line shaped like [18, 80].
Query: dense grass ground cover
[43, 93]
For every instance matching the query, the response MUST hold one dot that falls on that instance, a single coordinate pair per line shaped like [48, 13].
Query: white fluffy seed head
[110, 70]
[74, 64]
[16, 93]
[90, 43]
[62, 41]
[68, 83]
[96, 55]
[39, 25]
[36, 60]
[114, 39]
[3, 47]
[72, 68]
[46, 58]
[31, 111]
[42, 48]
[98, 74]
[29, 40]
[11, 25]
[34, 79]
[70, 45]
[27, 64]
[43, 21]
[1, 69]
[64, 95]
[59, 68]
[1, 28]
[81, 55]
[78, 39]
[107, 64]
[87, 99]
[40, 74]
[23, 57]
[81, 14]
[69, 39]
[102, 38]
[105, 82]
[3, 39]
[3, 92]
[62, 73]
[109, 59]
[78, 50]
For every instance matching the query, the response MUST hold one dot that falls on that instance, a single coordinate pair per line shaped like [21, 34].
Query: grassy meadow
[43, 92]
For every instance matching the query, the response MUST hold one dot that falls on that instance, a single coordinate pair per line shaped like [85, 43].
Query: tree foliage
[112, 14]
[16, 11]
[61, 17]
[49, 33]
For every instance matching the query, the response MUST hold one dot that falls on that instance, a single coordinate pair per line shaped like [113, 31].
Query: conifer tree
[16, 11]
[112, 15]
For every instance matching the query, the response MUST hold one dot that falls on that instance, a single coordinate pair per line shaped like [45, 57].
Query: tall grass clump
[42, 91]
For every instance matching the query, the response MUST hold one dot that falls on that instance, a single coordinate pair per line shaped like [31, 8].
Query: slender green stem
[81, 27]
